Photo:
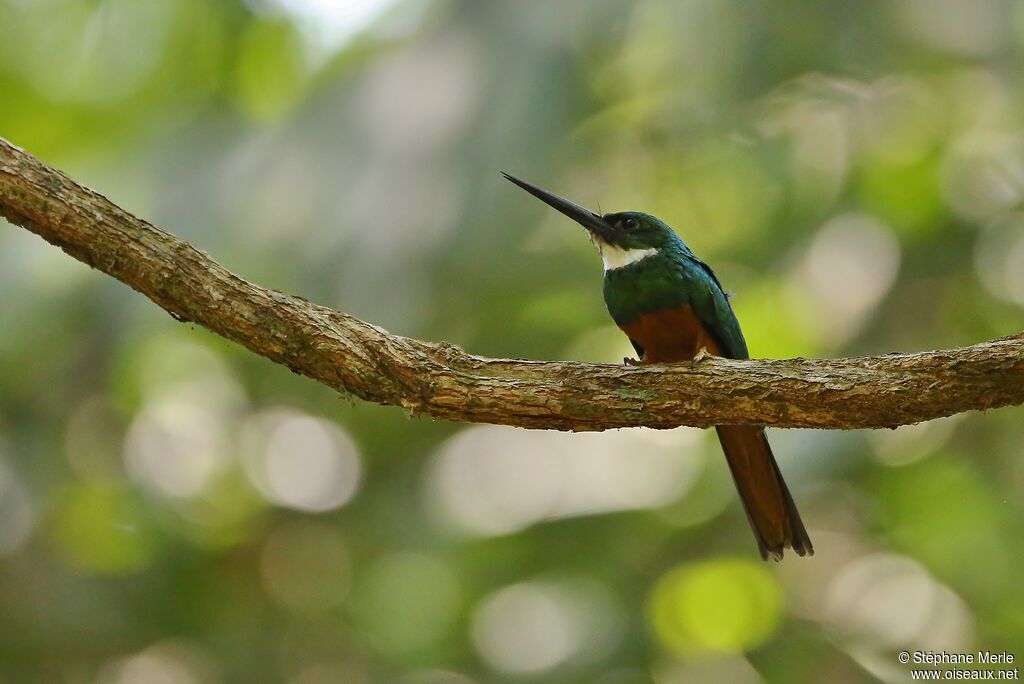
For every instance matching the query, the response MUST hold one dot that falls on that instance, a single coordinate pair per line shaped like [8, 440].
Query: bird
[673, 308]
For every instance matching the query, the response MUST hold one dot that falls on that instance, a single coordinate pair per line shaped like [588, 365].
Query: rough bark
[442, 381]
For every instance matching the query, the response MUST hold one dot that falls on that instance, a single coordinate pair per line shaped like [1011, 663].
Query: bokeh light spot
[491, 480]
[300, 461]
[525, 628]
[407, 602]
[999, 257]
[720, 605]
[175, 447]
[175, 366]
[886, 601]
[103, 528]
[909, 443]
[534, 627]
[851, 264]
[168, 662]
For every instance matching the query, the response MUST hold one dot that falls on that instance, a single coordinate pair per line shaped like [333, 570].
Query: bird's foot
[700, 356]
[628, 361]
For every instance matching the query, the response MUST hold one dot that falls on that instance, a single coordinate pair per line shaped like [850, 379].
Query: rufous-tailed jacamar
[671, 306]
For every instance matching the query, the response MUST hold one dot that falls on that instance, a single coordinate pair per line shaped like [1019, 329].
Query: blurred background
[176, 510]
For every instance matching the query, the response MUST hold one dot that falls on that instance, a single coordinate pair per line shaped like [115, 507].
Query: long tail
[766, 499]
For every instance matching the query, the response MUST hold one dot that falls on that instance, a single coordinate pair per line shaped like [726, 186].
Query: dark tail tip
[799, 542]
[796, 536]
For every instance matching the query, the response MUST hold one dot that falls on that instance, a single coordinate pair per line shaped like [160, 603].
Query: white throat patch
[616, 257]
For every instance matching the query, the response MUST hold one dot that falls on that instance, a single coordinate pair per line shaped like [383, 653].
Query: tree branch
[442, 381]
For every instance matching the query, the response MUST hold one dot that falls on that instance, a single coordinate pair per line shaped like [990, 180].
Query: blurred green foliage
[173, 509]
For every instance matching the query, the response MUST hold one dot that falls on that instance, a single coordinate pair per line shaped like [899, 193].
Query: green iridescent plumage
[670, 278]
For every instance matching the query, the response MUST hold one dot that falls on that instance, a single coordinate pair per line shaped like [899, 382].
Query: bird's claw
[628, 361]
[699, 357]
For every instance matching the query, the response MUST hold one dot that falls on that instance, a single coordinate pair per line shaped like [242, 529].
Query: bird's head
[625, 231]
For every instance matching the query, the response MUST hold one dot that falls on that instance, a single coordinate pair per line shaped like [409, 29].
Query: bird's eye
[630, 224]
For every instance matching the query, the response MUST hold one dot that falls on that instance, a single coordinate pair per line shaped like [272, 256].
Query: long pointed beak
[586, 218]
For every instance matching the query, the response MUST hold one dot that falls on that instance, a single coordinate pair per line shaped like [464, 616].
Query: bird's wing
[711, 305]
